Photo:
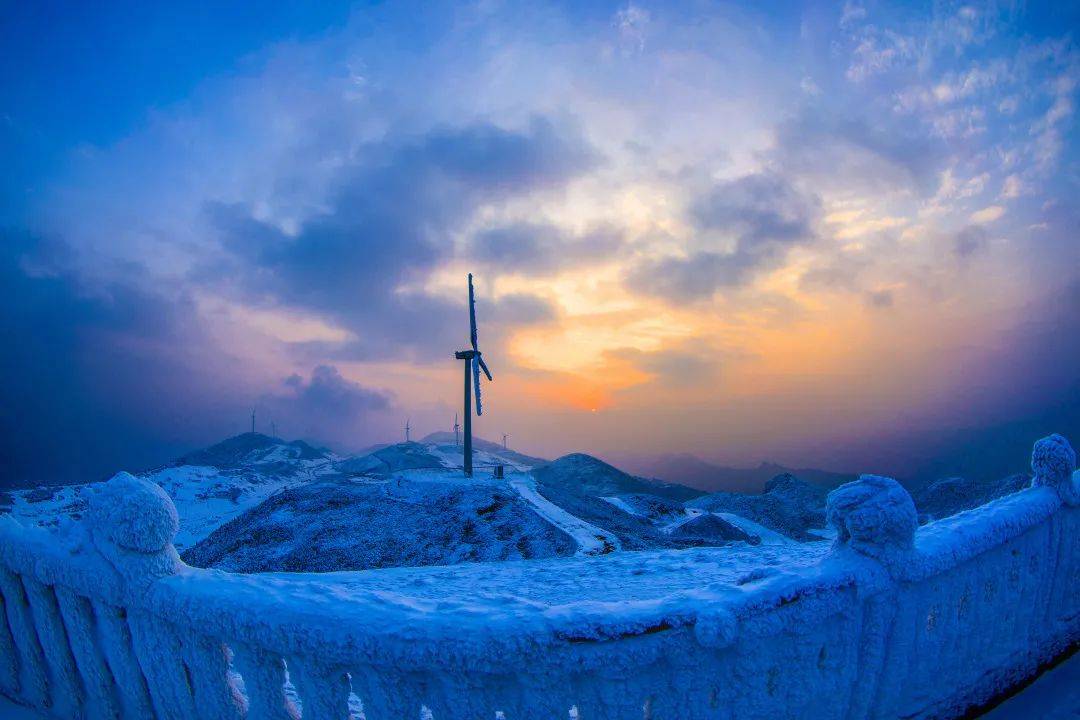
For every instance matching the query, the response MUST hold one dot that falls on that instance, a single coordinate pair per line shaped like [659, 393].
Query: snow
[591, 539]
[621, 504]
[767, 536]
[891, 620]
[209, 496]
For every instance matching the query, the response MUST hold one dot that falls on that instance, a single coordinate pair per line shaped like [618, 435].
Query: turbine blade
[483, 366]
[476, 385]
[472, 314]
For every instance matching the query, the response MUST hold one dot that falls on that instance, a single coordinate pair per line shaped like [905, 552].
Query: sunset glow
[814, 236]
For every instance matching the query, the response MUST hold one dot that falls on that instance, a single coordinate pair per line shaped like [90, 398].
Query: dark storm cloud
[114, 375]
[390, 223]
[325, 407]
[764, 213]
[969, 241]
[97, 380]
[540, 248]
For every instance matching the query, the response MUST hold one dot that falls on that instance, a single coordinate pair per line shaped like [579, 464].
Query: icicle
[33, 682]
[264, 681]
[97, 680]
[324, 690]
[209, 671]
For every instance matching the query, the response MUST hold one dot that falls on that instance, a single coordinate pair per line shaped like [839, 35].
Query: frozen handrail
[102, 619]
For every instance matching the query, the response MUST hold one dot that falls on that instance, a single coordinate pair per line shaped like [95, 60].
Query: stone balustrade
[101, 619]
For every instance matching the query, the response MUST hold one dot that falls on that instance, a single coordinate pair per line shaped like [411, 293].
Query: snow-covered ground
[207, 497]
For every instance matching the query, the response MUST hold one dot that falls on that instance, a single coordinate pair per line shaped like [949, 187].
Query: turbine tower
[406, 431]
[253, 420]
[504, 441]
[456, 428]
[474, 363]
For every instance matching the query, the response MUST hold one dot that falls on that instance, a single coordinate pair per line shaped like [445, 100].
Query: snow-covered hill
[209, 487]
[435, 452]
[788, 506]
[951, 495]
[588, 475]
[409, 504]
[415, 517]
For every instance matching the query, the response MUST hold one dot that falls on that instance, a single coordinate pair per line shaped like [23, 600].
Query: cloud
[102, 377]
[987, 214]
[969, 241]
[764, 214]
[880, 298]
[530, 248]
[326, 407]
[390, 223]
[688, 364]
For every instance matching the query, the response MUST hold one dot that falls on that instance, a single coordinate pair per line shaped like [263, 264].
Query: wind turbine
[474, 362]
[456, 428]
[253, 420]
[504, 441]
[406, 431]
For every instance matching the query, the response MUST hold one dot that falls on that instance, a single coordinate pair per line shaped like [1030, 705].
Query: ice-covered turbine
[474, 363]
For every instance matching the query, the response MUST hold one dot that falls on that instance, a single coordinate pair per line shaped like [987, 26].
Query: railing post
[132, 523]
[876, 517]
[1053, 461]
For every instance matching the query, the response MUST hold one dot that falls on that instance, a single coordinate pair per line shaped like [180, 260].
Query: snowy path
[691, 513]
[768, 537]
[621, 504]
[591, 540]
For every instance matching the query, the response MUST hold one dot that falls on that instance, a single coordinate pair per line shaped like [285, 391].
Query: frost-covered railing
[102, 620]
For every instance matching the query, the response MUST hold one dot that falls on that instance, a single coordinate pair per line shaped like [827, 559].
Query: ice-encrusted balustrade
[102, 620]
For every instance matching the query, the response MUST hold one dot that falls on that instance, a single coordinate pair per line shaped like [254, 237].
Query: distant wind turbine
[474, 363]
[252, 419]
[504, 441]
[456, 428]
[407, 431]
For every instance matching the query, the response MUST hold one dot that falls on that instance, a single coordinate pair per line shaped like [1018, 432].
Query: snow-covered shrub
[874, 515]
[1053, 461]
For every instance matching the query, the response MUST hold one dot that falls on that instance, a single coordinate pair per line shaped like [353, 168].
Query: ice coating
[980, 601]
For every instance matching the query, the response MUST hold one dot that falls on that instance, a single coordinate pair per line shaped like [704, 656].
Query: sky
[840, 235]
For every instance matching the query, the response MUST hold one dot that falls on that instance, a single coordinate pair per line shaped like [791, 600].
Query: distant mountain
[686, 469]
[591, 476]
[413, 519]
[949, 496]
[788, 506]
[250, 449]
